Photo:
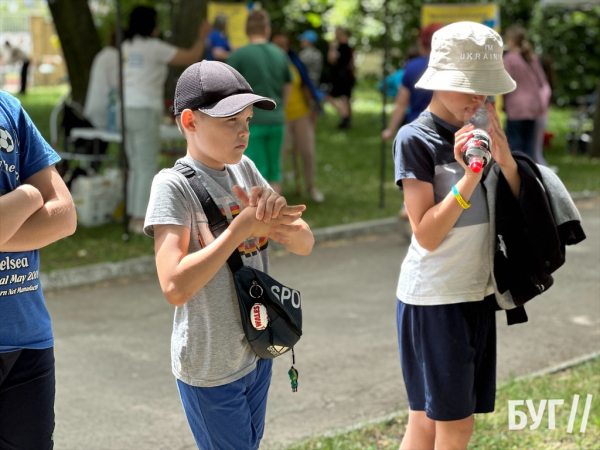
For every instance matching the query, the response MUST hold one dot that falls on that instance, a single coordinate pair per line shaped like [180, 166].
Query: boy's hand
[460, 139]
[269, 204]
[500, 150]
[284, 223]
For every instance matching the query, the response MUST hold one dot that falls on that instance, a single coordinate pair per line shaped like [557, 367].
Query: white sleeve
[163, 51]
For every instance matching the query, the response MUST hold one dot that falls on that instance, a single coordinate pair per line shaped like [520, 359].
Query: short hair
[142, 22]
[257, 22]
[220, 23]
[426, 34]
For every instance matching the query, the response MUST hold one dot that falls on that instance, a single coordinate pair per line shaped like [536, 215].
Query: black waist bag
[271, 312]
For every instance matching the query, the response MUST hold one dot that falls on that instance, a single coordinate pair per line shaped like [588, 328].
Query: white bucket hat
[467, 57]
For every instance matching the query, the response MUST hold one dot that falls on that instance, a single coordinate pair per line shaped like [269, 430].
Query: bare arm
[188, 56]
[431, 223]
[401, 103]
[287, 90]
[17, 206]
[220, 54]
[181, 275]
[55, 220]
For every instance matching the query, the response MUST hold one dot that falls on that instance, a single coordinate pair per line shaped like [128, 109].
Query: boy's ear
[187, 120]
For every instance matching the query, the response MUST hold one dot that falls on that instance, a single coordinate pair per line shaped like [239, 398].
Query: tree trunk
[79, 40]
[186, 17]
[595, 148]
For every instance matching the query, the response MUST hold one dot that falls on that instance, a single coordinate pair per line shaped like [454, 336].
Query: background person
[531, 99]
[312, 58]
[144, 73]
[266, 67]
[300, 133]
[408, 97]
[103, 85]
[341, 57]
[217, 42]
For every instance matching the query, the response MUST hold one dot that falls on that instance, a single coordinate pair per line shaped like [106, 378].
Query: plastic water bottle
[476, 152]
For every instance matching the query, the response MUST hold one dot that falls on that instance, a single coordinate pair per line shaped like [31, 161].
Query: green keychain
[293, 374]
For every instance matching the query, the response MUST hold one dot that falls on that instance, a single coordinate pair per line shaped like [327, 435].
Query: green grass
[491, 430]
[349, 167]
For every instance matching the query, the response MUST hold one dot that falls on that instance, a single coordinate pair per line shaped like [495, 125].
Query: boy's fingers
[279, 203]
[288, 228]
[288, 219]
[292, 209]
[241, 195]
[270, 204]
[255, 195]
[260, 207]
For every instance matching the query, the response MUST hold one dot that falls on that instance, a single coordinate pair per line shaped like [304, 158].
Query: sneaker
[317, 195]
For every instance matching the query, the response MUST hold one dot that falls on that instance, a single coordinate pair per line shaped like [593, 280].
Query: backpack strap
[446, 134]
[217, 222]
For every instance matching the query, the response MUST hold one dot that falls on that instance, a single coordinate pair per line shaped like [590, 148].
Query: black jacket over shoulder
[531, 233]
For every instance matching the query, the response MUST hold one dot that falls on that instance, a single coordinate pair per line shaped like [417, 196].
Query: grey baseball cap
[467, 57]
[217, 90]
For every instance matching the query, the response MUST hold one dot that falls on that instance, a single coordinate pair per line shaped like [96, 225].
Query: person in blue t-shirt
[217, 43]
[37, 210]
[415, 100]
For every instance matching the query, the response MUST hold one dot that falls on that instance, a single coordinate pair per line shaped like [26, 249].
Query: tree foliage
[572, 39]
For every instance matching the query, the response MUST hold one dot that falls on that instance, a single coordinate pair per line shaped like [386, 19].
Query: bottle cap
[476, 164]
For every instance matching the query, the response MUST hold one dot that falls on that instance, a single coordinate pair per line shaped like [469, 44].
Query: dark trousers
[24, 73]
[27, 389]
[521, 136]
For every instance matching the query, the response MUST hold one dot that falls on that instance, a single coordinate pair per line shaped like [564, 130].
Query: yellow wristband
[461, 201]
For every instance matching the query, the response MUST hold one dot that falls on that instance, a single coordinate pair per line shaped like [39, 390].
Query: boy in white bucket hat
[446, 307]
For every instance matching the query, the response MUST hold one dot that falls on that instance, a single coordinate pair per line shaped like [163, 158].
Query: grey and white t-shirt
[460, 269]
[208, 346]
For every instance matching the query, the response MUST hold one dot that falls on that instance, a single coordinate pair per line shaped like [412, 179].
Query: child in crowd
[36, 210]
[446, 306]
[222, 383]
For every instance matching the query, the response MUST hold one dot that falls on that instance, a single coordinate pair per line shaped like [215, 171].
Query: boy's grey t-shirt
[208, 345]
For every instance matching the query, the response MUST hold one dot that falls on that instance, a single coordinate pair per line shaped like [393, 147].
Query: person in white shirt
[145, 67]
[102, 87]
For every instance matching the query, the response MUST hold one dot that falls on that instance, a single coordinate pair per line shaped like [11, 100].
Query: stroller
[89, 151]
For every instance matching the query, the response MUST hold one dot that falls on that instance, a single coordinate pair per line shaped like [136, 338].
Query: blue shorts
[232, 416]
[27, 391]
[448, 357]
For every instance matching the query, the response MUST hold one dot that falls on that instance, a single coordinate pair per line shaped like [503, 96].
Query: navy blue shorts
[27, 391]
[448, 357]
[232, 416]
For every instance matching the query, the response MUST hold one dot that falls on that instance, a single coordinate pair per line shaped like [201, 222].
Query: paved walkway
[115, 389]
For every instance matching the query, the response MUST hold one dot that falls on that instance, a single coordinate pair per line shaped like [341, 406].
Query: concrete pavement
[115, 389]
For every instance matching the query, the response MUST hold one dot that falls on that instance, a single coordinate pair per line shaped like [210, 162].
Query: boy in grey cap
[446, 304]
[222, 383]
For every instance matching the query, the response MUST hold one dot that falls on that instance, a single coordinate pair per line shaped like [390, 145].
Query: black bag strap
[217, 222]
[428, 121]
